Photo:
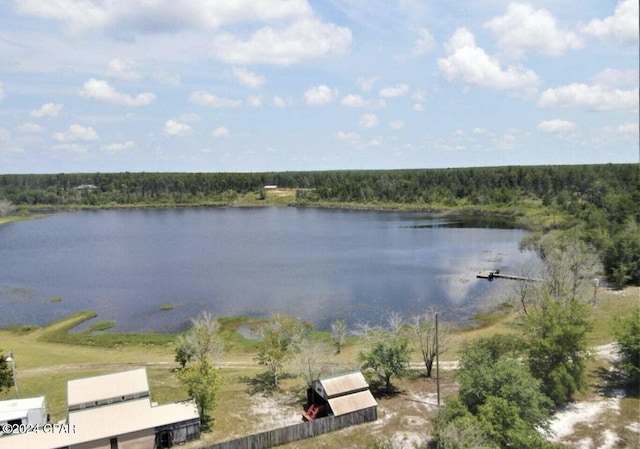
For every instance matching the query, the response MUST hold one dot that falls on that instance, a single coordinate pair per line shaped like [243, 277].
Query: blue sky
[277, 85]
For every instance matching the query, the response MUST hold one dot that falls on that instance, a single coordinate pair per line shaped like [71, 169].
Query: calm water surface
[316, 264]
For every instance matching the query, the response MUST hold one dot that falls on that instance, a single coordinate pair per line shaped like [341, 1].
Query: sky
[296, 85]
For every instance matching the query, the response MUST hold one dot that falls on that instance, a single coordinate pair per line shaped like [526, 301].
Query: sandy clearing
[580, 412]
[607, 352]
[271, 412]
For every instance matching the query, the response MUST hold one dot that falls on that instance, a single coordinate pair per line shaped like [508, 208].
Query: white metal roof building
[30, 411]
[107, 389]
[125, 422]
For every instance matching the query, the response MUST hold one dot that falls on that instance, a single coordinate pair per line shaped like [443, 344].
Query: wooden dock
[495, 274]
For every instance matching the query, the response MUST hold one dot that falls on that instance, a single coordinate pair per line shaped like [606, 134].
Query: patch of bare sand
[564, 421]
[588, 413]
[271, 412]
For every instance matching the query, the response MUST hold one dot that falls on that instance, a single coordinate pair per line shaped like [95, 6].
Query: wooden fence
[299, 431]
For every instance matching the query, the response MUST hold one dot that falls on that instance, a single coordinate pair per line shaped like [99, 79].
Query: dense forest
[600, 201]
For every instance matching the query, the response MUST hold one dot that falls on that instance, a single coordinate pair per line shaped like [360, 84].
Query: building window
[114, 443]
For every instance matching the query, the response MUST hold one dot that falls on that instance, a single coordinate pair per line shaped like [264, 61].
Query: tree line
[596, 184]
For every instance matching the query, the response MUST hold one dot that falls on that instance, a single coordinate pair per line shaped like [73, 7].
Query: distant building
[86, 187]
[31, 411]
[113, 411]
[270, 187]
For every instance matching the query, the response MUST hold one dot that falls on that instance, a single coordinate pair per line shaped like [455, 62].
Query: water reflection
[312, 263]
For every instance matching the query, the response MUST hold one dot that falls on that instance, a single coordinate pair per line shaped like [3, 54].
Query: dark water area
[316, 264]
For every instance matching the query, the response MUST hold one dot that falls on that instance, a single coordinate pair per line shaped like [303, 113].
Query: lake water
[315, 264]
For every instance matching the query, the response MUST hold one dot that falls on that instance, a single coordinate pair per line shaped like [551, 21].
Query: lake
[316, 264]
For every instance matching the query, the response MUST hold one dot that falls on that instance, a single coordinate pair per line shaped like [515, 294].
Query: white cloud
[353, 101]
[556, 126]
[247, 78]
[419, 95]
[621, 26]
[255, 101]
[617, 78]
[166, 77]
[319, 95]
[418, 107]
[355, 140]
[480, 131]
[424, 43]
[278, 102]
[524, 28]
[470, 63]
[123, 69]
[47, 110]
[7, 146]
[160, 15]
[350, 137]
[102, 91]
[303, 40]
[1, 91]
[176, 128]
[206, 99]
[396, 124]
[189, 117]
[29, 128]
[76, 132]
[119, 146]
[628, 128]
[73, 147]
[398, 90]
[366, 84]
[368, 120]
[506, 141]
[597, 97]
[220, 131]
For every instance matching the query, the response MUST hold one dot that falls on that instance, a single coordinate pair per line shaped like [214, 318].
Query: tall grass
[58, 332]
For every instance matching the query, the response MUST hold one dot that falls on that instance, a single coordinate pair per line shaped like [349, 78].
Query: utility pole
[10, 358]
[437, 363]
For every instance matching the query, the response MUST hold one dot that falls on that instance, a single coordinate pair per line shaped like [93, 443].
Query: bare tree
[525, 294]
[6, 207]
[395, 322]
[311, 361]
[570, 265]
[202, 342]
[338, 334]
[423, 333]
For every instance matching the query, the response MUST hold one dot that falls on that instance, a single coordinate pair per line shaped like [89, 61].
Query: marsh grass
[235, 342]
[100, 326]
[58, 332]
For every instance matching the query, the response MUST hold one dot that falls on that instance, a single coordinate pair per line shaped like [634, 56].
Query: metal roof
[109, 386]
[131, 416]
[18, 408]
[105, 422]
[343, 383]
[352, 402]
